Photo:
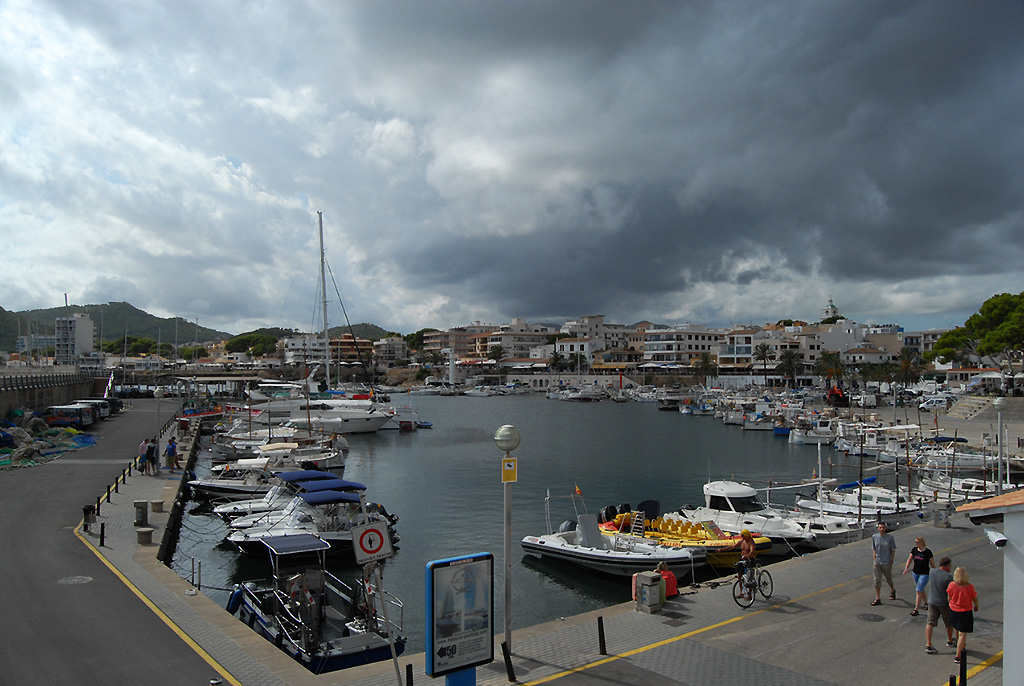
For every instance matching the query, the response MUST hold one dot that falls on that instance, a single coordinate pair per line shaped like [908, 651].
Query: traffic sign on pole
[371, 542]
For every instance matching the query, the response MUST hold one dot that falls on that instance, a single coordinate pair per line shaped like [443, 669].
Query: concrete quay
[117, 614]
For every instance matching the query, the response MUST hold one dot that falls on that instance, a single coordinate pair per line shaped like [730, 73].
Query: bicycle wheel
[738, 590]
[764, 583]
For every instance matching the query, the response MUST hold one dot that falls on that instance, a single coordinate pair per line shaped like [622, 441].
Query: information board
[460, 613]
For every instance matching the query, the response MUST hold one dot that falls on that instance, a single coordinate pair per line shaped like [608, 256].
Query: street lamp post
[158, 394]
[507, 439]
[999, 403]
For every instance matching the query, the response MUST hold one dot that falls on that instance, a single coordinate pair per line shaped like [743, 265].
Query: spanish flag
[578, 491]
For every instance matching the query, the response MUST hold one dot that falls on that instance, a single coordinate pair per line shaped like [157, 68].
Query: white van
[932, 404]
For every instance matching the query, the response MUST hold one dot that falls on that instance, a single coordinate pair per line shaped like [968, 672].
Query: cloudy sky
[708, 162]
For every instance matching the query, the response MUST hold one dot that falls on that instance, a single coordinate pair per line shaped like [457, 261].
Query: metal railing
[20, 382]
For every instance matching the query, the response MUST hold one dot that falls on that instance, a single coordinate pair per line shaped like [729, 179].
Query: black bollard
[600, 635]
[408, 675]
[952, 680]
[103, 533]
[116, 482]
[963, 668]
[508, 663]
[97, 506]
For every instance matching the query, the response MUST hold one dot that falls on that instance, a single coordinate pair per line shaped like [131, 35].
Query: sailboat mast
[323, 297]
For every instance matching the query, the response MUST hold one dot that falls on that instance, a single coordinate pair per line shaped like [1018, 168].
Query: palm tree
[557, 361]
[790, 364]
[578, 362]
[909, 368]
[498, 353]
[763, 353]
[830, 367]
[706, 366]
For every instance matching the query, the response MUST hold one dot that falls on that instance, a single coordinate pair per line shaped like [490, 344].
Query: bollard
[408, 675]
[141, 514]
[97, 506]
[952, 680]
[103, 533]
[124, 476]
[116, 482]
[600, 635]
[963, 668]
[108, 494]
[508, 662]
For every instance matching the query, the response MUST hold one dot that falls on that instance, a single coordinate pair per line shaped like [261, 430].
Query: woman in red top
[963, 603]
[671, 585]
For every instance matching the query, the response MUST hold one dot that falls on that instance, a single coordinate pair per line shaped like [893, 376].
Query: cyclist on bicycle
[747, 561]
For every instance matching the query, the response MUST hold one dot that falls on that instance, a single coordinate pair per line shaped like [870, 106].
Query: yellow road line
[158, 612]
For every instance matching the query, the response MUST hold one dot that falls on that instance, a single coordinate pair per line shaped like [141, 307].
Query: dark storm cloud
[715, 162]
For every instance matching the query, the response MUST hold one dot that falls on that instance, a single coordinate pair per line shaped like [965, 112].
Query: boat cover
[329, 497]
[299, 543]
[331, 485]
[304, 475]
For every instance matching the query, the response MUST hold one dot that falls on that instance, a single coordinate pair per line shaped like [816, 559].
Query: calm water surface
[445, 484]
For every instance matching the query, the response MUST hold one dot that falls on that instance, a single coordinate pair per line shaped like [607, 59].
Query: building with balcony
[73, 336]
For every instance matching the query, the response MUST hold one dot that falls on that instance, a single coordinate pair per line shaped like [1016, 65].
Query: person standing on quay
[938, 605]
[923, 562]
[171, 451]
[883, 548]
[152, 460]
[963, 603]
[142, 456]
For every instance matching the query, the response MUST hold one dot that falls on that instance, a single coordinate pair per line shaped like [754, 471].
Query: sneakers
[930, 650]
[951, 644]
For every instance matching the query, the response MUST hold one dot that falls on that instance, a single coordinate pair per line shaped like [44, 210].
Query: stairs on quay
[980, 408]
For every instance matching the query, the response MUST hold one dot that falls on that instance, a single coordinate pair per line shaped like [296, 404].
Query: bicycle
[757, 580]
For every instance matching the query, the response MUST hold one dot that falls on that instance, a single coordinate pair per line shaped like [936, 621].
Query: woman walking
[963, 603]
[923, 562]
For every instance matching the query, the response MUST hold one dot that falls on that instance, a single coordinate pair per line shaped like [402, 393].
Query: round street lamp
[1000, 404]
[507, 439]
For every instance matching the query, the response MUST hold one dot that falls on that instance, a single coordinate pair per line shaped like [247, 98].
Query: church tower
[830, 311]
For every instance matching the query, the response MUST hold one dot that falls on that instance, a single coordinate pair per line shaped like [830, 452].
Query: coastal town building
[73, 336]
[594, 328]
[389, 351]
[680, 344]
[303, 350]
[459, 339]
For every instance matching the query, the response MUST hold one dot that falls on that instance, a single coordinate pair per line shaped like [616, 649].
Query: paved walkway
[818, 628]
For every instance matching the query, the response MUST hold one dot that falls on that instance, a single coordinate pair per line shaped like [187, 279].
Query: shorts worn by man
[938, 604]
[883, 549]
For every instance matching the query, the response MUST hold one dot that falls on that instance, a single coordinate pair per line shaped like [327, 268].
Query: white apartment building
[73, 336]
[306, 349]
[390, 350]
[680, 344]
[459, 339]
[594, 328]
[516, 338]
[570, 347]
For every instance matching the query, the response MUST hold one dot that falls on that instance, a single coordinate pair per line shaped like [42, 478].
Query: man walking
[938, 604]
[883, 548]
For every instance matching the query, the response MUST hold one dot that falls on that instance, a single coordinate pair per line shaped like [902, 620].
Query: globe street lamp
[507, 439]
[999, 403]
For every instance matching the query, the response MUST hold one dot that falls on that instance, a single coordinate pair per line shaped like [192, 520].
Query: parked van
[102, 405]
[75, 416]
[932, 404]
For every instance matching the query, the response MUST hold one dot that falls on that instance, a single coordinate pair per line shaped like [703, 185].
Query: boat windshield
[748, 504]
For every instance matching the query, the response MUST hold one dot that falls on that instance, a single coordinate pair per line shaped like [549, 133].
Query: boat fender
[235, 600]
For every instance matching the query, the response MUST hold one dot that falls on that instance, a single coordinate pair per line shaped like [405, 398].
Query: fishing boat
[582, 544]
[862, 501]
[278, 497]
[736, 506]
[330, 515]
[246, 484]
[313, 616]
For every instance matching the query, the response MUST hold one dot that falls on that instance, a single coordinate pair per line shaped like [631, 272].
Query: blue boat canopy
[299, 543]
[304, 475]
[329, 497]
[854, 484]
[331, 485]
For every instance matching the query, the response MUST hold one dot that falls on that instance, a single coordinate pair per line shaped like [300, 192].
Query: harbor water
[445, 484]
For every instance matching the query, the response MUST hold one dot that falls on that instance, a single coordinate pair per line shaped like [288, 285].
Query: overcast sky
[706, 162]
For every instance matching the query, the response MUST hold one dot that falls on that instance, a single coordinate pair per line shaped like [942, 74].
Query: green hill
[110, 321]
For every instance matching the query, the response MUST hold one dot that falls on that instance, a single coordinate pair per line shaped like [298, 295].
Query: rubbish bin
[648, 592]
[88, 515]
[141, 513]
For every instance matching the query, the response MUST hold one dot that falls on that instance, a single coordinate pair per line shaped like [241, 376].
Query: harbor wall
[37, 390]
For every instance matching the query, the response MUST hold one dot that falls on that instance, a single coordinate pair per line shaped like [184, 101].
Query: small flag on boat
[578, 491]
